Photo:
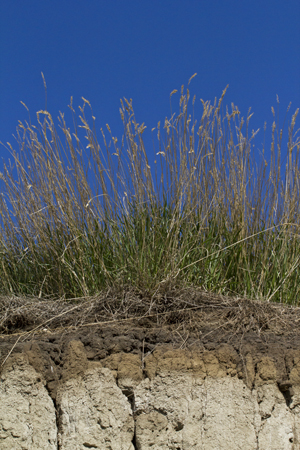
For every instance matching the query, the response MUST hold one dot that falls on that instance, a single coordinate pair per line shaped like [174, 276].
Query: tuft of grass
[74, 223]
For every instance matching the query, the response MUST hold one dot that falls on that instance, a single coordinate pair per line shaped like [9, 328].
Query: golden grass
[220, 217]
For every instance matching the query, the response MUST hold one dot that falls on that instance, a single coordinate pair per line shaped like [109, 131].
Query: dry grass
[74, 223]
[178, 309]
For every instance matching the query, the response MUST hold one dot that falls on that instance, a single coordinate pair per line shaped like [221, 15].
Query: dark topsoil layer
[129, 321]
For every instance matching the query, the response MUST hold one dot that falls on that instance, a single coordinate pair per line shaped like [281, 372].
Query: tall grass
[219, 216]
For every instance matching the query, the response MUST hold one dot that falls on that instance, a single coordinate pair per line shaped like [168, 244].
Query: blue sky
[107, 50]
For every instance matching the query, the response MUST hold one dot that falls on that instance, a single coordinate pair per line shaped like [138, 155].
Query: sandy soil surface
[128, 321]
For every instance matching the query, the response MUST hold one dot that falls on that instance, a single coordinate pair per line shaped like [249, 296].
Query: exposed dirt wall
[183, 384]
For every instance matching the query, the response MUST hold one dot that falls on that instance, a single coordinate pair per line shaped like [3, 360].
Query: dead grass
[171, 307]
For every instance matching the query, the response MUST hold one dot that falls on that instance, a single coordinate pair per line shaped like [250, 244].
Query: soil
[129, 321]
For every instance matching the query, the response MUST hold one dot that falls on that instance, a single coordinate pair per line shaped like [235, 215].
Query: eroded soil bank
[201, 372]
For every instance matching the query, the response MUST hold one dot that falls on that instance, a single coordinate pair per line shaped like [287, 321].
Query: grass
[220, 217]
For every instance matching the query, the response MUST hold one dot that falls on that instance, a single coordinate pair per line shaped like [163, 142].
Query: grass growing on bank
[226, 223]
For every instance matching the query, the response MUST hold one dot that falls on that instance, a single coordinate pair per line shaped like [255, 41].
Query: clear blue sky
[107, 50]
